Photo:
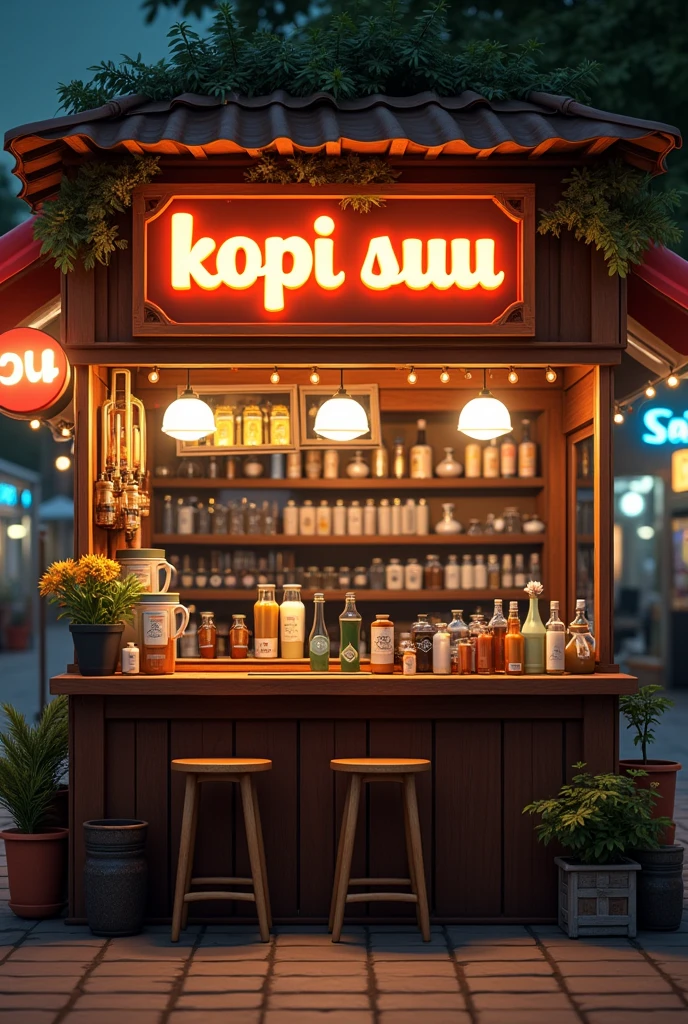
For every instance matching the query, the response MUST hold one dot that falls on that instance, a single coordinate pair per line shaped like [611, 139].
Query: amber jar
[382, 644]
[484, 655]
[576, 660]
[465, 657]
[238, 637]
[207, 636]
[433, 573]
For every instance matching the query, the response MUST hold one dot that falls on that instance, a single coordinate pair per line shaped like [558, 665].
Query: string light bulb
[672, 381]
[512, 376]
[63, 463]
[35, 424]
[550, 375]
[468, 375]
[444, 375]
[412, 376]
[66, 431]
[154, 375]
[274, 376]
[650, 391]
[315, 376]
[619, 417]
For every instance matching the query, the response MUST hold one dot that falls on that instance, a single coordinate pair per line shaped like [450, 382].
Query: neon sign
[664, 427]
[34, 372]
[248, 261]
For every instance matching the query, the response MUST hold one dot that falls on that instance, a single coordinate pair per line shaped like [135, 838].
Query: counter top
[337, 684]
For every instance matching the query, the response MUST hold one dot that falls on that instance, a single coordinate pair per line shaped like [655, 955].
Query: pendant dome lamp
[188, 418]
[484, 417]
[341, 418]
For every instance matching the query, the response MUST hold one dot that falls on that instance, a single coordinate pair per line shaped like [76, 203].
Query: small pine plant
[32, 762]
[643, 710]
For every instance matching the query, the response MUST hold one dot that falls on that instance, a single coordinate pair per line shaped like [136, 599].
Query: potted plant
[642, 711]
[99, 603]
[599, 819]
[32, 761]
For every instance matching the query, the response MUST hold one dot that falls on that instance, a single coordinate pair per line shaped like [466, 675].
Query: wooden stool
[379, 769]
[221, 769]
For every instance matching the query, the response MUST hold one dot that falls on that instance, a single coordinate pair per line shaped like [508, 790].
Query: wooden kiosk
[495, 742]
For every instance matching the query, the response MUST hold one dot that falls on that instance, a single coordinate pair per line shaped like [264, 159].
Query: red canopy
[658, 297]
[27, 280]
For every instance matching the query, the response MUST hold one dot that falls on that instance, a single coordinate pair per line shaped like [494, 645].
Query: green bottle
[319, 640]
[350, 636]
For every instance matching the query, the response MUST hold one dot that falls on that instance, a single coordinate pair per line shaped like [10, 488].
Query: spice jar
[155, 617]
[207, 636]
[238, 637]
[484, 654]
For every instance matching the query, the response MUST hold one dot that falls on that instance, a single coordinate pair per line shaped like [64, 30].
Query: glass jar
[220, 521]
[254, 519]
[358, 468]
[413, 575]
[207, 636]
[280, 427]
[493, 572]
[465, 657]
[448, 467]
[329, 578]
[422, 633]
[467, 573]
[344, 577]
[253, 467]
[408, 660]
[238, 637]
[512, 520]
[447, 523]
[376, 574]
[331, 464]
[314, 578]
[489, 526]
[360, 577]
[433, 574]
[394, 575]
[480, 573]
[474, 527]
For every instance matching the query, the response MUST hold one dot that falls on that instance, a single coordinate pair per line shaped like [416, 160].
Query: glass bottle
[369, 518]
[331, 464]
[339, 518]
[292, 622]
[213, 467]
[399, 464]
[527, 452]
[408, 517]
[185, 515]
[201, 577]
[457, 631]
[394, 575]
[514, 644]
[266, 622]
[484, 652]
[507, 571]
[220, 519]
[422, 517]
[307, 519]
[408, 655]
[215, 578]
[433, 574]
[106, 511]
[350, 636]
[447, 523]
[202, 518]
[384, 518]
[421, 455]
[507, 456]
[186, 577]
[413, 575]
[358, 468]
[465, 655]
[229, 578]
[238, 637]
[452, 573]
[534, 569]
[207, 636]
[449, 467]
[319, 640]
[489, 526]
[382, 644]
[580, 650]
[512, 520]
[344, 577]
[467, 573]
[474, 528]
[555, 642]
[498, 625]
[480, 573]
[354, 519]
[396, 517]
[491, 459]
[376, 575]
[475, 628]
[329, 578]
[421, 634]
[254, 519]
[473, 458]
[167, 512]
[380, 462]
[534, 634]
[323, 526]
[441, 650]
[360, 578]
[493, 573]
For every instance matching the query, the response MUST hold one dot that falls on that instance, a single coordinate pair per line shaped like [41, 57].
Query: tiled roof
[424, 126]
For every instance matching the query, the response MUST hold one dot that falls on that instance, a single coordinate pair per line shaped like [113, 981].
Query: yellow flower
[97, 567]
[56, 576]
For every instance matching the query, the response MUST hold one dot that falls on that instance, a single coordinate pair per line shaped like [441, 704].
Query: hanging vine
[323, 170]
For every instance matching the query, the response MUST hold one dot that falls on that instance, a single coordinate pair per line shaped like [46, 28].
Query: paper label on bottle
[408, 663]
[349, 654]
[555, 651]
[424, 644]
[382, 645]
[266, 647]
[514, 666]
[319, 645]
[155, 629]
[292, 626]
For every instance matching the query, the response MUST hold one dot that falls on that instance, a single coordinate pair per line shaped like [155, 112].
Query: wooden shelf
[249, 540]
[446, 597]
[506, 484]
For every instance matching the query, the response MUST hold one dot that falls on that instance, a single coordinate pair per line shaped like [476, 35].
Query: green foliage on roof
[348, 56]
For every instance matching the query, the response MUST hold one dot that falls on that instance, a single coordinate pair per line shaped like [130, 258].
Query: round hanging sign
[34, 371]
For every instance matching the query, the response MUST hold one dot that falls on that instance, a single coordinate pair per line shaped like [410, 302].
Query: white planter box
[597, 899]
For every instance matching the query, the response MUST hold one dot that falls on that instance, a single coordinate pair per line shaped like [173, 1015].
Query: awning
[28, 281]
[658, 303]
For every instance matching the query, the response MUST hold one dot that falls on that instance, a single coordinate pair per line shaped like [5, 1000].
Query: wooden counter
[495, 743]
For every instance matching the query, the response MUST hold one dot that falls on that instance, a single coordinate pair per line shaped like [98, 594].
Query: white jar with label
[473, 459]
[452, 573]
[130, 659]
[394, 575]
[292, 622]
[408, 518]
[467, 576]
[354, 519]
[314, 464]
[422, 518]
[441, 651]
[293, 465]
[331, 464]
[491, 460]
[382, 644]
[307, 519]
[480, 573]
[339, 518]
[290, 519]
[413, 575]
[369, 518]
[396, 517]
[323, 519]
[185, 517]
[384, 518]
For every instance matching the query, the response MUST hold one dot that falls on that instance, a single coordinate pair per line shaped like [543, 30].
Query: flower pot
[36, 868]
[115, 875]
[660, 888]
[597, 899]
[664, 773]
[97, 648]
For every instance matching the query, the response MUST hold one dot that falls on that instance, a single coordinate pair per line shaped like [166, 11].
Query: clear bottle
[421, 455]
[220, 522]
[534, 568]
[350, 636]
[458, 630]
[201, 577]
[229, 579]
[323, 524]
[507, 571]
[433, 574]
[413, 575]
[514, 645]
[106, 510]
[354, 519]
[319, 640]
[382, 644]
[580, 650]
[396, 517]
[498, 625]
[491, 459]
[360, 579]
[339, 518]
[215, 578]
[399, 462]
[452, 573]
[475, 628]
[207, 636]
[238, 637]
[489, 526]
[186, 515]
[480, 573]
[484, 652]
[555, 642]
[186, 577]
[290, 519]
[380, 460]
[422, 517]
[467, 573]
[369, 518]
[344, 577]
[167, 514]
[331, 464]
[408, 655]
[408, 517]
[202, 518]
[527, 452]
[441, 650]
[384, 518]
[473, 458]
[493, 572]
[307, 519]
[474, 528]
[376, 574]
[519, 571]
[512, 519]
[266, 622]
[394, 575]
[421, 634]
[292, 622]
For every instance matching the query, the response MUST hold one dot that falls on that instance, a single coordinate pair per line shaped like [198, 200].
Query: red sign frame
[34, 373]
[263, 260]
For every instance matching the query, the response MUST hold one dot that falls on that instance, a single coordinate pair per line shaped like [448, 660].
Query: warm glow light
[154, 375]
[468, 375]
[631, 503]
[619, 417]
[16, 531]
[673, 381]
[315, 376]
[550, 375]
[512, 376]
[381, 269]
[63, 463]
[484, 417]
[66, 431]
[341, 418]
[645, 532]
[412, 376]
[444, 376]
[188, 418]
[650, 392]
[274, 376]
[35, 424]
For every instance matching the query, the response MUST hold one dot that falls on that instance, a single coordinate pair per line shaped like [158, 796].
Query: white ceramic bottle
[307, 519]
[421, 455]
[339, 518]
[369, 518]
[452, 573]
[413, 575]
[394, 575]
[292, 622]
[323, 516]
[354, 519]
[441, 651]
[467, 573]
[396, 517]
[384, 518]
[422, 517]
[408, 517]
[331, 464]
[290, 519]
[480, 573]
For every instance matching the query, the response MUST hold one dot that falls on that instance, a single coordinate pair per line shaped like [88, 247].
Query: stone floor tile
[211, 953]
[317, 929]
[631, 1001]
[318, 1001]
[318, 939]
[521, 1001]
[32, 969]
[320, 983]
[315, 968]
[112, 1017]
[220, 1001]
[415, 968]
[421, 1001]
[229, 939]
[26, 1016]
[56, 924]
[574, 951]
[626, 984]
[122, 1001]
[412, 953]
[10, 938]
[331, 951]
[505, 968]
[677, 954]
[214, 1017]
[11, 984]
[136, 968]
[53, 940]
[223, 983]
[45, 954]
[512, 983]
[476, 954]
[416, 983]
[150, 947]
[403, 929]
[137, 983]
[607, 969]
[663, 938]
[240, 968]
[314, 1017]
[34, 1000]
[429, 1017]
[391, 940]
[567, 1016]
[637, 1017]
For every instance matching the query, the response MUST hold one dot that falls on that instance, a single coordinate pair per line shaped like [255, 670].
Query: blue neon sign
[26, 499]
[663, 427]
[8, 494]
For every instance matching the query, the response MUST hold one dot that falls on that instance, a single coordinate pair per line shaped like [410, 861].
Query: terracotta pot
[97, 648]
[663, 772]
[36, 870]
